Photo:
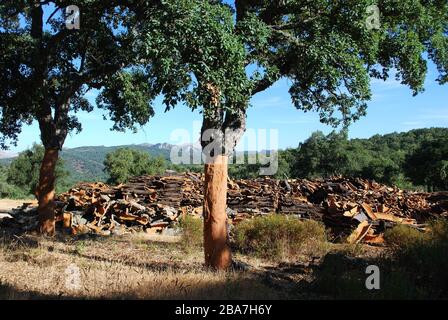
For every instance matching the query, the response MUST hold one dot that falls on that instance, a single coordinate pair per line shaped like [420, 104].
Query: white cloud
[434, 114]
[412, 123]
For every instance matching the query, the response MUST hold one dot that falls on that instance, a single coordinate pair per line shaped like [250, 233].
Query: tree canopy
[23, 172]
[428, 165]
[212, 55]
[46, 69]
[125, 163]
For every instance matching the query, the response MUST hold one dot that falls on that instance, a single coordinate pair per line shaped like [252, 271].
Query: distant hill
[371, 158]
[7, 155]
[86, 163]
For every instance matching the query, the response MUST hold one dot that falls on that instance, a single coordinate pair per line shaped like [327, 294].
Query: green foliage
[416, 269]
[276, 236]
[126, 98]
[57, 66]
[381, 158]
[403, 236]
[428, 165]
[193, 45]
[23, 172]
[328, 52]
[192, 230]
[87, 163]
[428, 260]
[216, 56]
[439, 230]
[322, 156]
[8, 190]
[125, 163]
[395, 159]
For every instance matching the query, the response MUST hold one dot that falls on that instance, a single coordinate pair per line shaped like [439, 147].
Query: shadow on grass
[415, 272]
[231, 289]
[150, 266]
[8, 292]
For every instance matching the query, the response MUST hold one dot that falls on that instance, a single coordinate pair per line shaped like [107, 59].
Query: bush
[423, 258]
[403, 236]
[10, 191]
[192, 232]
[438, 230]
[125, 163]
[23, 172]
[276, 236]
[427, 262]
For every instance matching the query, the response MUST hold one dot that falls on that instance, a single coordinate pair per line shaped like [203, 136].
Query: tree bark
[46, 192]
[216, 248]
[220, 132]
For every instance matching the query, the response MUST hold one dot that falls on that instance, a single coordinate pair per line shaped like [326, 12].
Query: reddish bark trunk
[216, 248]
[46, 192]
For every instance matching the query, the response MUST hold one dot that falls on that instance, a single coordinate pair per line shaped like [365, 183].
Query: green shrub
[125, 163]
[438, 230]
[403, 236]
[192, 232]
[423, 258]
[10, 191]
[276, 236]
[426, 262]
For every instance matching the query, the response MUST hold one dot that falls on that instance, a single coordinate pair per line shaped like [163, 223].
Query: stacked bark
[355, 209]
[365, 206]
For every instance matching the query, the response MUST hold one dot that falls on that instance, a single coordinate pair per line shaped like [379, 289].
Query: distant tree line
[417, 159]
[414, 159]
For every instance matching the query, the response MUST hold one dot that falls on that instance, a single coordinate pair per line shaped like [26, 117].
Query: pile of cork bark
[353, 209]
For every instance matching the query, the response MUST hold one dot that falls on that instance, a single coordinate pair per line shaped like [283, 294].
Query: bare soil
[8, 204]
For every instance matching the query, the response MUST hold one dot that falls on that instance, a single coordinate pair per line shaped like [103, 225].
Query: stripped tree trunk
[222, 132]
[53, 134]
[46, 192]
[217, 250]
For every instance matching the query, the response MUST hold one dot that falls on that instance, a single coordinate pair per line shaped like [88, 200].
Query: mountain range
[86, 163]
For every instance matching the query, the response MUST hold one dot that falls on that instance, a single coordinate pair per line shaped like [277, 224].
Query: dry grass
[144, 266]
[119, 269]
[159, 267]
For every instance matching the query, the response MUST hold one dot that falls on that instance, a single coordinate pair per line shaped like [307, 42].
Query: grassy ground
[146, 268]
[170, 267]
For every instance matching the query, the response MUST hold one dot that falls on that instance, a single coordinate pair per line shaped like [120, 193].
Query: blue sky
[393, 108]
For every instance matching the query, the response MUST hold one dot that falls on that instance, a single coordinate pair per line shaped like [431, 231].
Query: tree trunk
[46, 192]
[216, 248]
